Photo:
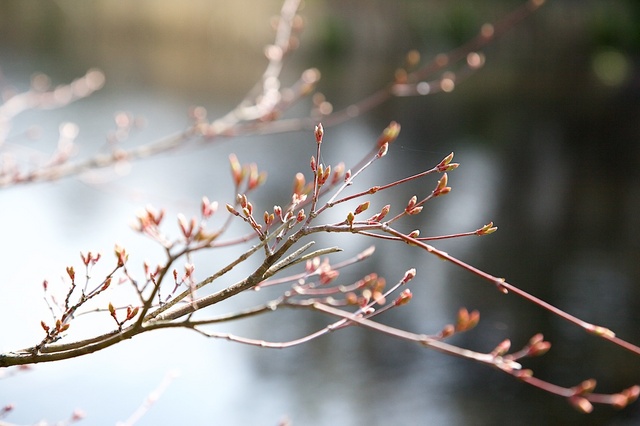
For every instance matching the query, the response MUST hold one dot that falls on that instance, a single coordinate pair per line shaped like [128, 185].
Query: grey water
[549, 151]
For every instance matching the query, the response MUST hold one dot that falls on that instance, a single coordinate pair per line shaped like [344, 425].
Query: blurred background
[548, 137]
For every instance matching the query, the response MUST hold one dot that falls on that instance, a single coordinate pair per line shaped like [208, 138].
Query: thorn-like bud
[389, 134]
[45, 327]
[313, 164]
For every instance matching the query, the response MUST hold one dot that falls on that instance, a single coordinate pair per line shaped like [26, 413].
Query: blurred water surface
[548, 137]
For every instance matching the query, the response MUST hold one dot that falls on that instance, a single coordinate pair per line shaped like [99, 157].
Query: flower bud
[389, 134]
[581, 404]
[409, 275]
[236, 170]
[319, 133]
[404, 298]
[362, 207]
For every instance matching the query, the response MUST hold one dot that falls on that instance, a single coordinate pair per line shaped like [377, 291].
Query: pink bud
[409, 275]
[131, 313]
[383, 150]
[232, 210]
[443, 165]
[502, 348]
[236, 170]
[404, 298]
[362, 207]
[319, 133]
[389, 134]
[581, 404]
[298, 183]
[254, 177]
[106, 284]
[487, 229]
[207, 208]
[350, 218]
[277, 210]
[338, 171]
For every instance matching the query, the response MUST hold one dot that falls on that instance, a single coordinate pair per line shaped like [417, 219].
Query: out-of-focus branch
[260, 111]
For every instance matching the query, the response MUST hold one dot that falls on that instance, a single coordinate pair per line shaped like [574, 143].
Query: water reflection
[553, 164]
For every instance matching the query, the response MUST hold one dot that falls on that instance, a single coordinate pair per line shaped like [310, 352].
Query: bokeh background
[548, 134]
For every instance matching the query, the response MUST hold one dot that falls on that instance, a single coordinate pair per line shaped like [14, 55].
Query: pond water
[552, 160]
